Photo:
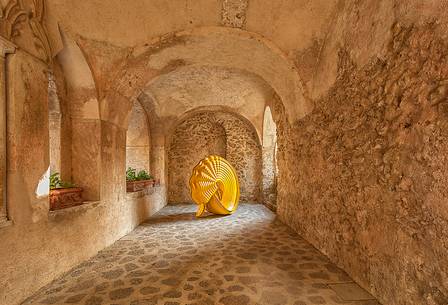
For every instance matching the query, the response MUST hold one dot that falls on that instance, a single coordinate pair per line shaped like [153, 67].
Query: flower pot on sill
[139, 185]
[65, 198]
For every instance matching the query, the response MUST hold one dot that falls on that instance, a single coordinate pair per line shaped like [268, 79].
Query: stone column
[6, 47]
[158, 155]
[158, 164]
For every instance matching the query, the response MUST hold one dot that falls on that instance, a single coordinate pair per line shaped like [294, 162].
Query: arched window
[269, 160]
[55, 124]
[222, 133]
[138, 140]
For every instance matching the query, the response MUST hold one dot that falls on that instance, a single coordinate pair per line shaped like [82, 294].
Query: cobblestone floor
[174, 258]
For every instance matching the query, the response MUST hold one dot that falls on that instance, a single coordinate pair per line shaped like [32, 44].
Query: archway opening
[138, 141]
[269, 153]
[214, 132]
[55, 124]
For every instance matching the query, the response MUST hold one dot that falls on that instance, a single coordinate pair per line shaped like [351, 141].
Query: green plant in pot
[57, 183]
[143, 175]
[131, 174]
[63, 194]
[137, 181]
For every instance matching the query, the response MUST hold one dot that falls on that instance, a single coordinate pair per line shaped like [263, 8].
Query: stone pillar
[6, 47]
[27, 138]
[86, 156]
[159, 164]
[158, 156]
[113, 160]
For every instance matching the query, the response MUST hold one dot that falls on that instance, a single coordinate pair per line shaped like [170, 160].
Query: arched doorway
[138, 141]
[214, 132]
[269, 153]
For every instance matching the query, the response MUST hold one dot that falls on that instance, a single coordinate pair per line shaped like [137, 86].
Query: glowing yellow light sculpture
[214, 186]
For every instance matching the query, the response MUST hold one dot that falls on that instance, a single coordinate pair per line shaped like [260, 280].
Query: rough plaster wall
[95, 18]
[280, 21]
[138, 140]
[214, 133]
[188, 88]
[364, 176]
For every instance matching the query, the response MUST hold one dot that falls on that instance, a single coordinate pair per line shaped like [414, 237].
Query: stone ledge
[140, 194]
[4, 223]
[88, 205]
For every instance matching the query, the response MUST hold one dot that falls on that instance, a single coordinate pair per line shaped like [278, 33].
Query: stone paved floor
[246, 258]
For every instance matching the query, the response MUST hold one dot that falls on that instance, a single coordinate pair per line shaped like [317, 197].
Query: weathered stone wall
[364, 177]
[37, 241]
[208, 133]
[138, 140]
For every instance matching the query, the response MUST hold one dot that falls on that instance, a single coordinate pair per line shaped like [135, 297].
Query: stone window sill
[139, 194]
[76, 210]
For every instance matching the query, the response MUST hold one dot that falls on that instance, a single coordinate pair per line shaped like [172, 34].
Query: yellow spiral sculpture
[214, 186]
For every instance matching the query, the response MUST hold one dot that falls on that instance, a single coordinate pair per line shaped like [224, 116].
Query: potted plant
[63, 194]
[137, 181]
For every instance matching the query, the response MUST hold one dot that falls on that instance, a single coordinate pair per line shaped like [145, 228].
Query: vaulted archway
[204, 133]
[239, 50]
[357, 160]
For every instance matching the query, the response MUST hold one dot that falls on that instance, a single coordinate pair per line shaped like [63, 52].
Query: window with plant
[133, 175]
[57, 183]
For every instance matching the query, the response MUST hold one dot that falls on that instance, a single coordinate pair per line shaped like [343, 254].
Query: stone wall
[220, 133]
[365, 176]
[138, 139]
[36, 241]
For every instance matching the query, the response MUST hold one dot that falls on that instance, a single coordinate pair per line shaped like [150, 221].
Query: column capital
[6, 47]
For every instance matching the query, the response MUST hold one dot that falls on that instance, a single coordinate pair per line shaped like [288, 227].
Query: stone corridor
[174, 258]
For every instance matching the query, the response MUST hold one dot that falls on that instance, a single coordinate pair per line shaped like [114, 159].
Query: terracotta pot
[65, 198]
[135, 186]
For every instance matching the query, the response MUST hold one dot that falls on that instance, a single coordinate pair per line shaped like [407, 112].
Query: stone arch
[193, 87]
[138, 139]
[197, 136]
[215, 108]
[84, 108]
[238, 49]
